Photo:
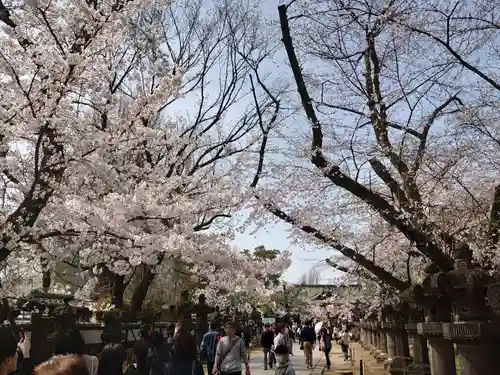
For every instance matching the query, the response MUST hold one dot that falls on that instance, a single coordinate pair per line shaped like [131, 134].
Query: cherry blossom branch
[379, 272]
[356, 271]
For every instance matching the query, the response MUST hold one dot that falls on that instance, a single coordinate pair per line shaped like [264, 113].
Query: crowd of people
[277, 343]
[224, 350]
[153, 354]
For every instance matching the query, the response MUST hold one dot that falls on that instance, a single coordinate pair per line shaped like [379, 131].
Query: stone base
[387, 363]
[418, 369]
[381, 358]
[398, 366]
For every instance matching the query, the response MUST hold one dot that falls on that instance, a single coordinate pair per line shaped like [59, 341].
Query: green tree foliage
[261, 253]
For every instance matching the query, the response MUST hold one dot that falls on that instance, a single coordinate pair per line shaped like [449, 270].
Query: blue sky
[275, 236]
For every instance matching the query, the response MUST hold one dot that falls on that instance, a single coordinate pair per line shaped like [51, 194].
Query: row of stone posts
[452, 315]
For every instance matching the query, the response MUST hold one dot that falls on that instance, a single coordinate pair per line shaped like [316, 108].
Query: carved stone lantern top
[467, 286]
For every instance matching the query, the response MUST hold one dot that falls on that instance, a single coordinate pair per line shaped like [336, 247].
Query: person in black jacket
[266, 340]
[308, 337]
[158, 354]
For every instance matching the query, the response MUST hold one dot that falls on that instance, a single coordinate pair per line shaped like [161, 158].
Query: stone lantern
[437, 309]
[474, 330]
[113, 330]
[202, 311]
[185, 311]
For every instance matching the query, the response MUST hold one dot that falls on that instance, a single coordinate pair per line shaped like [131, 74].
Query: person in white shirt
[345, 337]
[335, 333]
[280, 338]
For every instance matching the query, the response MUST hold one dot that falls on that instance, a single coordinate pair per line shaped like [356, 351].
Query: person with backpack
[345, 338]
[230, 353]
[209, 345]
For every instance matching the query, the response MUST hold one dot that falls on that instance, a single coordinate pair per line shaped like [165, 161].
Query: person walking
[299, 335]
[266, 341]
[283, 364]
[279, 339]
[308, 338]
[287, 332]
[345, 338]
[325, 345]
[230, 353]
[209, 345]
[336, 334]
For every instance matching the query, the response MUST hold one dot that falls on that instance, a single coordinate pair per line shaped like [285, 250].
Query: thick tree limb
[331, 171]
[391, 183]
[425, 132]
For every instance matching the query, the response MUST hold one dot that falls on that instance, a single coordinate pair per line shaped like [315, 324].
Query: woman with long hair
[184, 353]
[113, 360]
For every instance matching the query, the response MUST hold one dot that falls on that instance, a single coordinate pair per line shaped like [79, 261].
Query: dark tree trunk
[141, 291]
[118, 290]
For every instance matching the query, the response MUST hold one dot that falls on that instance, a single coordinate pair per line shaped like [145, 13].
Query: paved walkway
[298, 362]
[370, 365]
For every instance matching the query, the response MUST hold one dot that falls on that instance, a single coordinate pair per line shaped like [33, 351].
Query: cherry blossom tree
[100, 170]
[400, 163]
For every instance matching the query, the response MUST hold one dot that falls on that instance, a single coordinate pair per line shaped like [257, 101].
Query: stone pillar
[433, 296]
[420, 364]
[399, 363]
[362, 338]
[374, 334]
[369, 341]
[390, 335]
[364, 335]
[441, 352]
[382, 356]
